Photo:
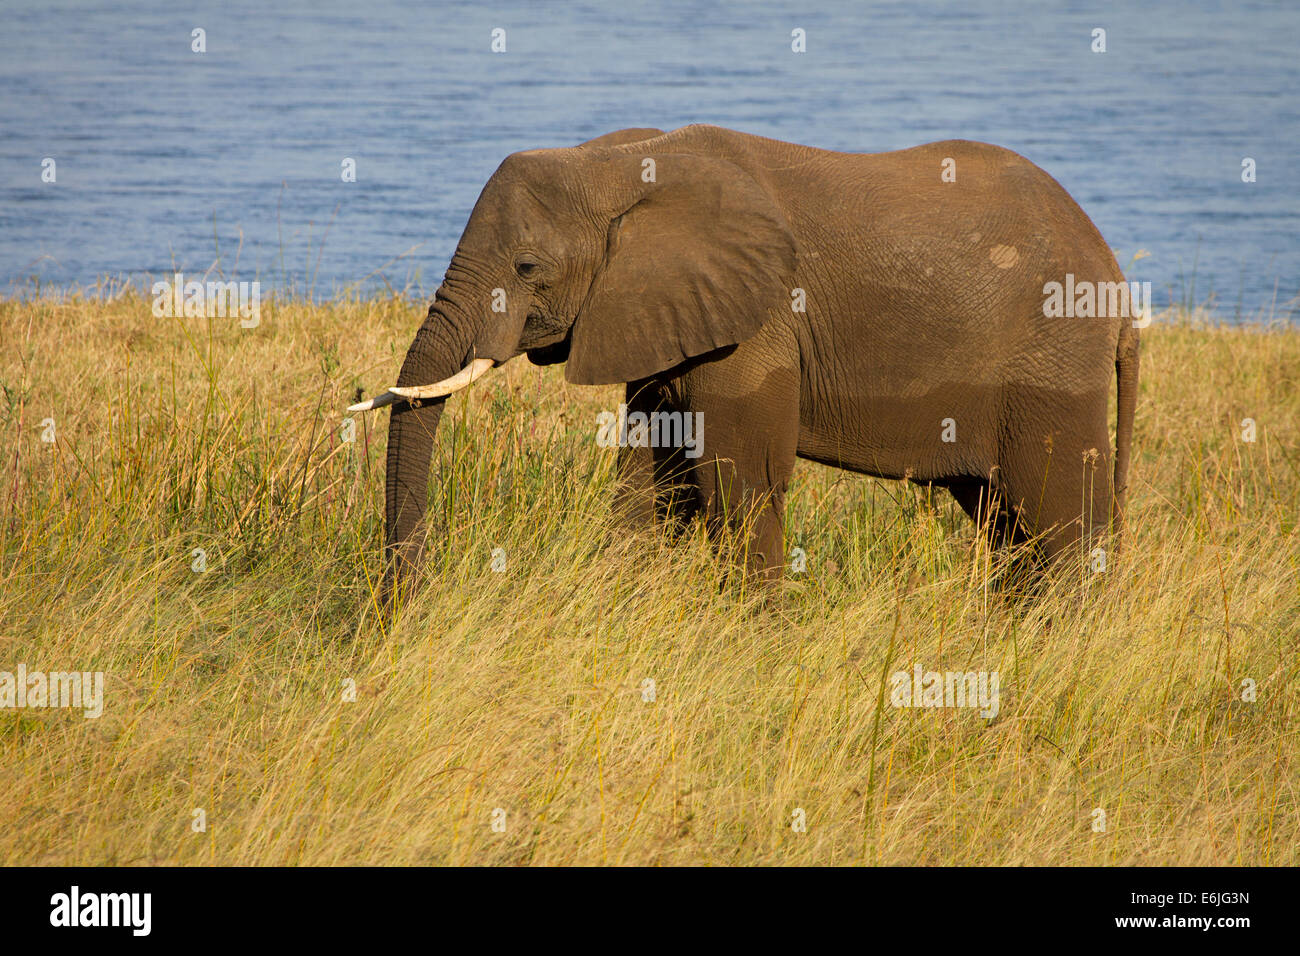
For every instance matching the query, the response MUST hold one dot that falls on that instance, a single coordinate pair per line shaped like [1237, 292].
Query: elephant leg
[986, 507]
[749, 446]
[634, 493]
[1061, 486]
[653, 483]
[737, 494]
[1069, 506]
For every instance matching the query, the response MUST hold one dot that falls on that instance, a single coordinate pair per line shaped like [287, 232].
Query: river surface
[165, 158]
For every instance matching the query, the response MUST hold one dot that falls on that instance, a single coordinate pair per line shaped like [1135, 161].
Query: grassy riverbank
[227, 689]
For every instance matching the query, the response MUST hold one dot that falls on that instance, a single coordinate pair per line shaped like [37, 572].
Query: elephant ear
[697, 261]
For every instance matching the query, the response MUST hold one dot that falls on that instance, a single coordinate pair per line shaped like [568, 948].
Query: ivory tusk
[379, 401]
[471, 372]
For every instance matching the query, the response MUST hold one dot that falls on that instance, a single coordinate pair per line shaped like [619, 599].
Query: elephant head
[620, 260]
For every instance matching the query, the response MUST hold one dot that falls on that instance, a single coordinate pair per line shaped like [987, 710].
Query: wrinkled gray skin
[924, 302]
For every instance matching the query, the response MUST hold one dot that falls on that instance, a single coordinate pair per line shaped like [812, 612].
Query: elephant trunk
[441, 350]
[410, 448]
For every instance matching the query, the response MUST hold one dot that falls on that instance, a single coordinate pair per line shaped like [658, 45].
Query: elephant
[884, 313]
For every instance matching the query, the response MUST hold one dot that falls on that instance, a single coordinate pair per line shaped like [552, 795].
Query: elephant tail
[1126, 386]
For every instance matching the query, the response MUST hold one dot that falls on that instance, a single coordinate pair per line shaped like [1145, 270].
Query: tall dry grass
[525, 690]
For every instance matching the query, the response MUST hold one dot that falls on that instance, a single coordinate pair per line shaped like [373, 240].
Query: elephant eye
[526, 268]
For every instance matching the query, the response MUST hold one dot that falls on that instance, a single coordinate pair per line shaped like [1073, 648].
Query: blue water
[167, 158]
